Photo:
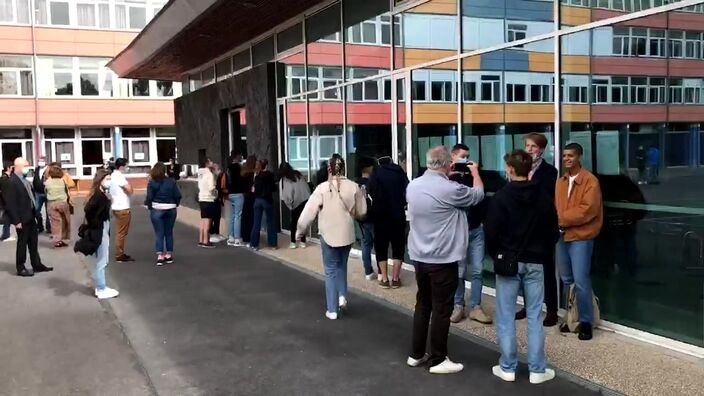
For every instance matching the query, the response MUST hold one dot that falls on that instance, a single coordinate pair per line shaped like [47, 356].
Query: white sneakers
[371, 277]
[106, 293]
[331, 315]
[302, 245]
[447, 367]
[417, 362]
[342, 302]
[539, 378]
[234, 242]
[216, 238]
[535, 378]
[504, 375]
[292, 245]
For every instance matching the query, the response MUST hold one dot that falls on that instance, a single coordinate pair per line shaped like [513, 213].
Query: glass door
[401, 120]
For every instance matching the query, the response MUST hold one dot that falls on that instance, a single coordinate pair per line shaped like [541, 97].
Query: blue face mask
[25, 172]
[106, 184]
[461, 161]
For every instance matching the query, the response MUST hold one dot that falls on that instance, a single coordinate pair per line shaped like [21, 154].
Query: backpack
[572, 317]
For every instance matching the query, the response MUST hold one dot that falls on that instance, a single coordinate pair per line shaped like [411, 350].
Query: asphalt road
[231, 322]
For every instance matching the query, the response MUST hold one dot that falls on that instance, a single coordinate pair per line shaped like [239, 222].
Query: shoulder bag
[506, 261]
[71, 209]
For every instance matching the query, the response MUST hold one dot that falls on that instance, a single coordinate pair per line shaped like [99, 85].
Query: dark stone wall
[202, 117]
[202, 123]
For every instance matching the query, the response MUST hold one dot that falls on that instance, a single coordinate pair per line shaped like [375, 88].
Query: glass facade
[375, 78]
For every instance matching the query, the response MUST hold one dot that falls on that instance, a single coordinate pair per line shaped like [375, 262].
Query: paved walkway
[228, 321]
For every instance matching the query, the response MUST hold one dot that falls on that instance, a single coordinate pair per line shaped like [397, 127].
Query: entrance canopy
[188, 33]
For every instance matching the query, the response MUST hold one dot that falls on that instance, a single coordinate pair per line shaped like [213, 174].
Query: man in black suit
[21, 208]
[545, 175]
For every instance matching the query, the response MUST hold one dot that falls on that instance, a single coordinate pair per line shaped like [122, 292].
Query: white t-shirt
[569, 189]
[120, 199]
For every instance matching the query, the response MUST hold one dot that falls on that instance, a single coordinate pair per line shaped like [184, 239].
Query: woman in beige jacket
[337, 203]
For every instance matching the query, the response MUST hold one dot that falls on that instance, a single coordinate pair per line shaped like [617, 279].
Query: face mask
[106, 184]
[536, 156]
[127, 169]
[461, 161]
[25, 171]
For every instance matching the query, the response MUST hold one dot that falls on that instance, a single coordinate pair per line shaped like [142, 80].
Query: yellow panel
[483, 113]
[541, 62]
[434, 113]
[445, 7]
[573, 16]
[414, 57]
[575, 64]
[523, 113]
[576, 113]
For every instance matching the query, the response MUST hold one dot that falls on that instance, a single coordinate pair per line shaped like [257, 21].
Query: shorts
[390, 232]
[208, 210]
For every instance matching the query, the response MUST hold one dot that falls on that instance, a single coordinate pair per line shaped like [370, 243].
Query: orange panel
[434, 113]
[541, 62]
[17, 112]
[576, 113]
[484, 113]
[472, 63]
[522, 113]
[576, 64]
[15, 40]
[86, 112]
[445, 7]
[77, 42]
[573, 16]
[414, 57]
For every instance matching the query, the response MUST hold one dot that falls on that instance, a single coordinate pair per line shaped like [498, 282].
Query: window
[93, 15]
[138, 17]
[490, 88]
[16, 75]
[516, 32]
[140, 87]
[442, 86]
[693, 45]
[14, 11]
[540, 93]
[621, 41]
[469, 91]
[656, 42]
[657, 90]
[601, 90]
[59, 13]
[515, 93]
[164, 88]
[675, 90]
[241, 60]
[89, 69]
[296, 78]
[676, 44]
[575, 89]
[376, 31]
[619, 89]
[692, 90]
[223, 69]
[639, 90]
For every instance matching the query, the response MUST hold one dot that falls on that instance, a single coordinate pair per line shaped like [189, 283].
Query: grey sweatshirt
[437, 214]
[294, 193]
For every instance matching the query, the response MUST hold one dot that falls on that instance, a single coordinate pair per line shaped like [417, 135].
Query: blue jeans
[234, 228]
[41, 200]
[261, 207]
[335, 265]
[575, 261]
[530, 276]
[367, 246]
[163, 222]
[5, 232]
[474, 262]
[100, 258]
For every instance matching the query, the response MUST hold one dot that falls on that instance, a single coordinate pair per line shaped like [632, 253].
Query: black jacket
[387, 190]
[264, 186]
[546, 177]
[18, 204]
[235, 182]
[173, 171]
[477, 213]
[38, 181]
[97, 212]
[511, 212]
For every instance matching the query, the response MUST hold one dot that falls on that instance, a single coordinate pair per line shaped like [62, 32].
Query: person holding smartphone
[472, 266]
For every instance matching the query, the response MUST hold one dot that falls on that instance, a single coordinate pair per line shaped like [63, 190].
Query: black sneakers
[585, 331]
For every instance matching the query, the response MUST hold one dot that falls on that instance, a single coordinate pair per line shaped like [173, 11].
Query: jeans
[163, 222]
[335, 265]
[261, 207]
[530, 276]
[575, 261]
[367, 245]
[235, 227]
[100, 258]
[293, 226]
[436, 284]
[5, 232]
[474, 262]
[40, 200]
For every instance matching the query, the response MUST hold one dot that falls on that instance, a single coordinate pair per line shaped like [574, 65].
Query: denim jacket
[163, 191]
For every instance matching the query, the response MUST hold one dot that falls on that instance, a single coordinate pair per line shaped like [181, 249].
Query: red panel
[629, 113]
[326, 113]
[686, 68]
[654, 21]
[629, 66]
[369, 113]
[368, 56]
[296, 113]
[686, 21]
[686, 113]
[325, 54]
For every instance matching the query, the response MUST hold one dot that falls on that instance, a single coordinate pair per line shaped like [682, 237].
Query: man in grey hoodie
[436, 243]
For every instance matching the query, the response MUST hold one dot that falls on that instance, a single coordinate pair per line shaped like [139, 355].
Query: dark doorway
[92, 151]
[238, 131]
[11, 151]
[165, 150]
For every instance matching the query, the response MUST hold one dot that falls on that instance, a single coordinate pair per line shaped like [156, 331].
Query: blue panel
[512, 60]
[522, 10]
[484, 8]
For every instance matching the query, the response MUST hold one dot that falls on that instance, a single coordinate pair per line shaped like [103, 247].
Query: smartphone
[461, 167]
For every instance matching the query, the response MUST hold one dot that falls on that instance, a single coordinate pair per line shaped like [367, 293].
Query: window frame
[18, 71]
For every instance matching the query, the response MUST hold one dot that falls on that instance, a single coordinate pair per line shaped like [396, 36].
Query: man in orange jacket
[580, 215]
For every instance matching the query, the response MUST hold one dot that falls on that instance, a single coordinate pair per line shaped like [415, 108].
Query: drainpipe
[38, 142]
